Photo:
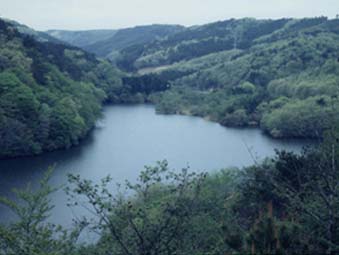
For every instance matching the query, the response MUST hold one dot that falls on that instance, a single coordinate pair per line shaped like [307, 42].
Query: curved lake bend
[130, 137]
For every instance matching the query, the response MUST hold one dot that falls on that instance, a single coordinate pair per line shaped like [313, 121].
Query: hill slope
[126, 37]
[50, 94]
[281, 75]
[198, 41]
[38, 35]
[108, 43]
[82, 38]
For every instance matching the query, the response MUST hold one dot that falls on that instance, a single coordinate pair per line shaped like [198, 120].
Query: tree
[311, 186]
[152, 219]
[30, 234]
[304, 190]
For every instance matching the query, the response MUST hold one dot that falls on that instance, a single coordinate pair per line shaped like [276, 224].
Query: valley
[163, 139]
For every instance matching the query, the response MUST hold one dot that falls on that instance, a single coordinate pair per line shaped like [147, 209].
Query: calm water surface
[130, 137]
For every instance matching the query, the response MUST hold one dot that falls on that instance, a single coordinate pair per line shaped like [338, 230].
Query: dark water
[129, 137]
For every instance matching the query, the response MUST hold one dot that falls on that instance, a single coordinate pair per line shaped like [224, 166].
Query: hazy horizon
[112, 14]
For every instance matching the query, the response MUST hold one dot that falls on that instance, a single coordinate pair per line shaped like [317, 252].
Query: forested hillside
[50, 94]
[82, 38]
[281, 75]
[198, 41]
[108, 43]
[110, 48]
[38, 35]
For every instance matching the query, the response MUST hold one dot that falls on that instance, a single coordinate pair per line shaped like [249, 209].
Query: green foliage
[30, 234]
[301, 118]
[82, 38]
[198, 41]
[50, 94]
[297, 62]
[302, 196]
[123, 38]
[153, 219]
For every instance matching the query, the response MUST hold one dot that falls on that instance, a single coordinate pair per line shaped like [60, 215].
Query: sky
[113, 14]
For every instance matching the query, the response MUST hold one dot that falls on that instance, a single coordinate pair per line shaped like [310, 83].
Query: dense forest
[108, 43]
[50, 94]
[83, 38]
[280, 75]
[288, 204]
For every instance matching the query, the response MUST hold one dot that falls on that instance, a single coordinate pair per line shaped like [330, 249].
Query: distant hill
[38, 35]
[130, 36]
[108, 43]
[82, 38]
[198, 41]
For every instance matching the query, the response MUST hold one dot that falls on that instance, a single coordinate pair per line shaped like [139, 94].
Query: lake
[130, 137]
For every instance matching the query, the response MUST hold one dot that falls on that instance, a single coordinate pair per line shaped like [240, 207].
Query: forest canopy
[280, 75]
[50, 94]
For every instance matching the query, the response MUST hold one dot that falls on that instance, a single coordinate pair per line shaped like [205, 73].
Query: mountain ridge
[112, 41]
